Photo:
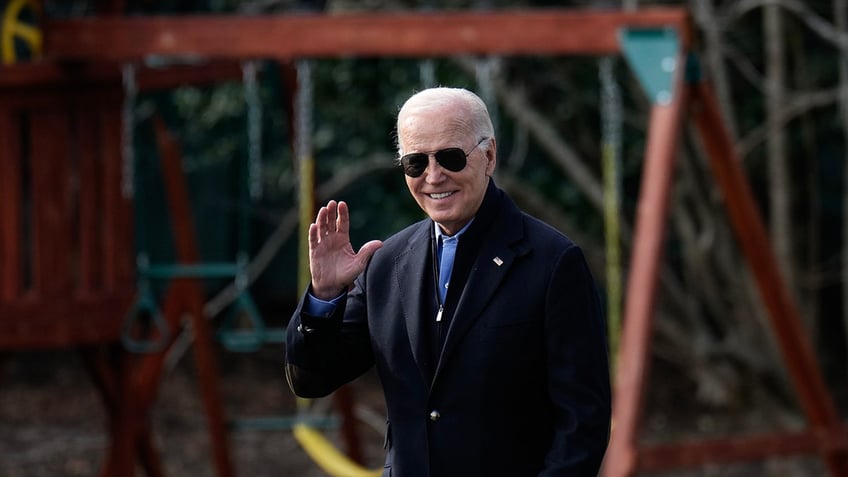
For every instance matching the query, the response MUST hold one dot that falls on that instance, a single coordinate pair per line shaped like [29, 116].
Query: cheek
[483, 173]
[482, 167]
[413, 184]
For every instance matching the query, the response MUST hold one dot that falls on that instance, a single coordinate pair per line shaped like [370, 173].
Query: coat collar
[497, 234]
[499, 230]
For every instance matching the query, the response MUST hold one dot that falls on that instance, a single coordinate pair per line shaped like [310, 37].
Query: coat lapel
[499, 250]
[411, 266]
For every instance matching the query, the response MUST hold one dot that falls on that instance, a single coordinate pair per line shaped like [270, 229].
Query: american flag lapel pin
[498, 261]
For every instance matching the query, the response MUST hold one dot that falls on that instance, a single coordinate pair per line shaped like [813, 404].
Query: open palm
[332, 261]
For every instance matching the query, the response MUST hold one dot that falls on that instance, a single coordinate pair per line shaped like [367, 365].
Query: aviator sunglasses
[452, 159]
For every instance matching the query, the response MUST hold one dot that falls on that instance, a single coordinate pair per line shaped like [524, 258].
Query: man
[492, 356]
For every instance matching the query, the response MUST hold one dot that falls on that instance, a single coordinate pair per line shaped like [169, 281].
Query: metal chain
[485, 71]
[304, 163]
[127, 131]
[303, 110]
[427, 73]
[254, 128]
[610, 106]
[611, 160]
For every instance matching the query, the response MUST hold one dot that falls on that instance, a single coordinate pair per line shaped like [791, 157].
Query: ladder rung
[271, 423]
[205, 270]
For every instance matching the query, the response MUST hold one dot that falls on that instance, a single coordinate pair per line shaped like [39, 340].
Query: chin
[441, 216]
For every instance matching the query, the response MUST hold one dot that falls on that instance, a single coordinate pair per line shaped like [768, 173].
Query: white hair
[441, 97]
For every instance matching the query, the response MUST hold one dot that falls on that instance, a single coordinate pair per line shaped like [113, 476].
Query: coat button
[434, 415]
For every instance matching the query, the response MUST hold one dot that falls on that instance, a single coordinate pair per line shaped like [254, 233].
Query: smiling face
[451, 199]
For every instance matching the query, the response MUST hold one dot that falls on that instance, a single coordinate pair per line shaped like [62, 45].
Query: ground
[52, 425]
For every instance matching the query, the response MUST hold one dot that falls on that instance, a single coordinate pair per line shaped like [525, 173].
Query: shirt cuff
[318, 307]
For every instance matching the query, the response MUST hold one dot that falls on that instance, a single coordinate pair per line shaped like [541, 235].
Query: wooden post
[634, 354]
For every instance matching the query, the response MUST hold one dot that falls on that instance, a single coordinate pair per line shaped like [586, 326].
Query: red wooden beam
[51, 194]
[117, 232]
[11, 201]
[185, 296]
[663, 457]
[90, 208]
[32, 323]
[513, 32]
[33, 78]
[633, 359]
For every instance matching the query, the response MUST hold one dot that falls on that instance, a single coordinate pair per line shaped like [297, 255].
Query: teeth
[440, 196]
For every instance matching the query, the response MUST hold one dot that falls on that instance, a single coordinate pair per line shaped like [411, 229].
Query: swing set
[656, 44]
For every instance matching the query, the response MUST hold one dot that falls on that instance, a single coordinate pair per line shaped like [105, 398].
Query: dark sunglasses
[452, 159]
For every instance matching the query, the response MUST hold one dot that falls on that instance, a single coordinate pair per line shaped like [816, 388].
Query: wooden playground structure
[68, 271]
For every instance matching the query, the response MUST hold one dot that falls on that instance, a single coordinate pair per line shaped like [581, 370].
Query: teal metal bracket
[146, 315]
[248, 335]
[277, 423]
[653, 54]
[245, 331]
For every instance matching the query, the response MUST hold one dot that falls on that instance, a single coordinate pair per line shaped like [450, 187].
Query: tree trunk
[808, 291]
[704, 13]
[840, 8]
[778, 175]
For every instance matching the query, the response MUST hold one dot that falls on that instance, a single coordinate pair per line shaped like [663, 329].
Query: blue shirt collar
[440, 234]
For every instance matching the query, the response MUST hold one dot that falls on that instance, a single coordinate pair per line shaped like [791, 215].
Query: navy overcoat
[515, 384]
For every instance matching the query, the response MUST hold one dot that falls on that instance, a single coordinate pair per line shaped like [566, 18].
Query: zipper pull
[439, 314]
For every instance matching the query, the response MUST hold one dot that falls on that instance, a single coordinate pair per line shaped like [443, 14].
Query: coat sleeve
[578, 370]
[323, 352]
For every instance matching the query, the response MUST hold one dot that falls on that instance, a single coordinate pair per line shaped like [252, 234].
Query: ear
[491, 157]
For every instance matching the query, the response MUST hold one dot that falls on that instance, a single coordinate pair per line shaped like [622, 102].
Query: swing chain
[242, 281]
[427, 73]
[610, 106]
[145, 305]
[254, 127]
[486, 70]
[303, 108]
[128, 126]
[611, 134]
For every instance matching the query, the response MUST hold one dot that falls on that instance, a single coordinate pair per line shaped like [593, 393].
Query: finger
[332, 217]
[323, 219]
[343, 224]
[314, 236]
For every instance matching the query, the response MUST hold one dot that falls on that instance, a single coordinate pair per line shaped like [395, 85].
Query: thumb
[368, 249]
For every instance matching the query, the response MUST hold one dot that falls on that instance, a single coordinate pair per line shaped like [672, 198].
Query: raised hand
[333, 263]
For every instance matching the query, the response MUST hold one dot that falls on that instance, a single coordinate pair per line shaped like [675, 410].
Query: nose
[434, 171]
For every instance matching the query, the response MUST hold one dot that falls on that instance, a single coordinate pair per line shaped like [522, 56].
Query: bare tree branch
[800, 103]
[779, 186]
[745, 66]
[704, 14]
[840, 13]
[818, 25]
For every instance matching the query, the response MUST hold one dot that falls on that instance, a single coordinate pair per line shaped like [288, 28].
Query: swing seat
[327, 456]
[67, 276]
